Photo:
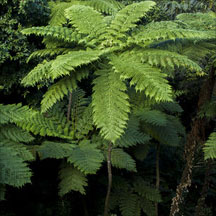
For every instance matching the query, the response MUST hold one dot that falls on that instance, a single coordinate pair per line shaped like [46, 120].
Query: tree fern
[210, 147]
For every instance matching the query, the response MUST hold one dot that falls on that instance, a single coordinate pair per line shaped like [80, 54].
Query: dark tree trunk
[195, 137]
[204, 192]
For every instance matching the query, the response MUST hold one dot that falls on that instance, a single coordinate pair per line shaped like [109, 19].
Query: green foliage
[144, 77]
[121, 159]
[110, 104]
[56, 150]
[71, 179]
[210, 147]
[134, 196]
[87, 158]
[115, 38]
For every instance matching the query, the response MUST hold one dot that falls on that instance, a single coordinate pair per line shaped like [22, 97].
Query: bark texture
[196, 137]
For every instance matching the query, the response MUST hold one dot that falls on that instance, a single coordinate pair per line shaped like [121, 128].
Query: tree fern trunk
[109, 168]
[157, 173]
[204, 192]
[194, 138]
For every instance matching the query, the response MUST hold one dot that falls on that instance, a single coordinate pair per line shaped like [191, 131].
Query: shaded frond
[145, 77]
[86, 158]
[128, 204]
[61, 88]
[154, 117]
[84, 123]
[49, 52]
[104, 6]
[145, 190]
[141, 151]
[14, 171]
[57, 17]
[14, 112]
[38, 74]
[58, 150]
[71, 180]
[132, 135]
[121, 159]
[210, 147]
[11, 132]
[63, 33]
[110, 104]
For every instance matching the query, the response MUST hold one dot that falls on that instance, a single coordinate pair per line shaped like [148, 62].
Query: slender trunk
[85, 210]
[109, 168]
[157, 173]
[194, 138]
[69, 107]
[204, 192]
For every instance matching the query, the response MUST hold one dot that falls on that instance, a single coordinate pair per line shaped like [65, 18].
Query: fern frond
[61, 88]
[14, 112]
[143, 189]
[39, 73]
[171, 107]
[21, 149]
[167, 30]
[167, 135]
[166, 59]
[104, 6]
[14, 170]
[210, 147]
[141, 151]
[201, 21]
[145, 77]
[58, 32]
[128, 204]
[132, 135]
[121, 159]
[58, 150]
[86, 20]
[71, 180]
[127, 17]
[49, 52]
[57, 17]
[110, 104]
[154, 117]
[40, 124]
[86, 158]
[64, 64]
[85, 123]
[15, 134]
